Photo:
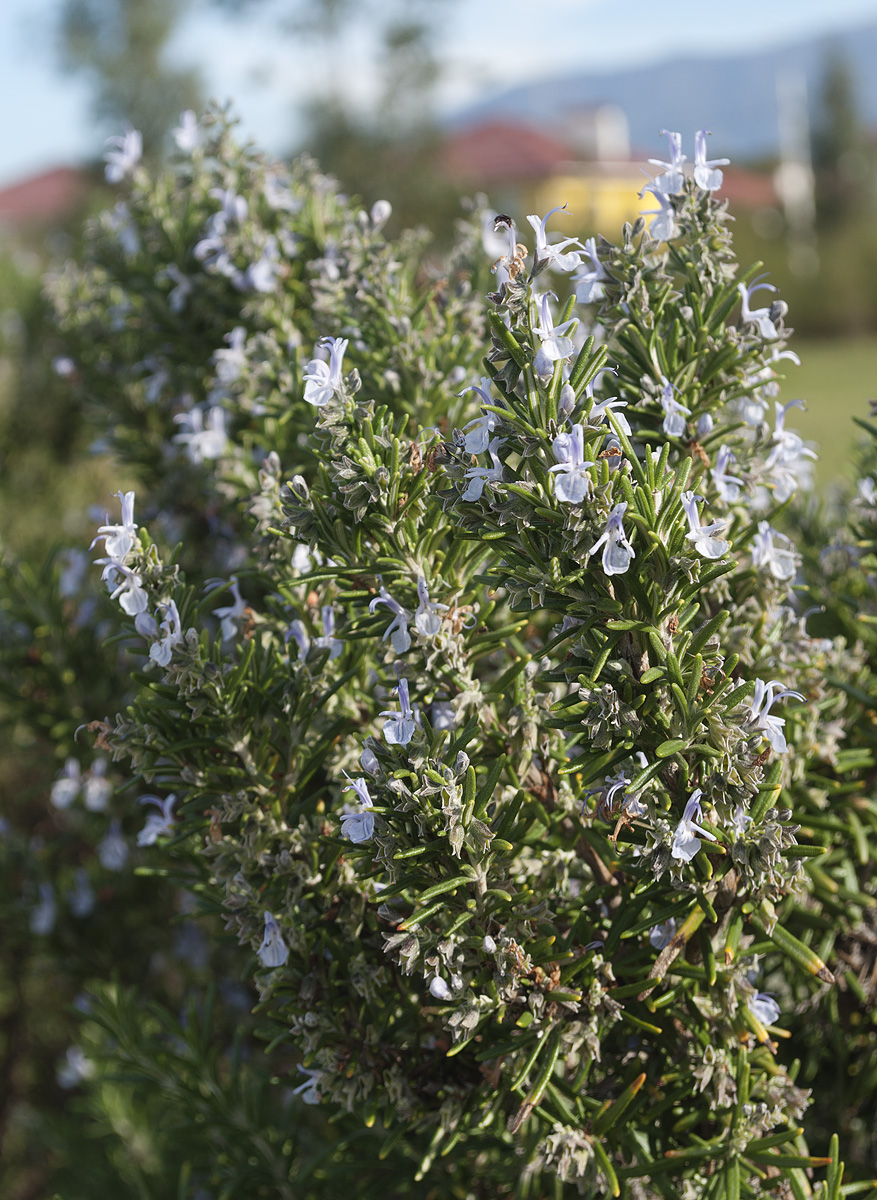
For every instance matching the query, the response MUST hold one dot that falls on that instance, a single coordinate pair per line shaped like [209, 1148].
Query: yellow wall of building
[597, 204]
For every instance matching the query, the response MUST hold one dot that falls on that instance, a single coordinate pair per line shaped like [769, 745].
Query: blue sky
[45, 119]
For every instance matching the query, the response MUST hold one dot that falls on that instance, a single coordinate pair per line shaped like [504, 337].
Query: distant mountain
[735, 97]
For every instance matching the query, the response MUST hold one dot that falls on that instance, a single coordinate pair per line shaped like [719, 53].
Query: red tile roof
[43, 199]
[501, 151]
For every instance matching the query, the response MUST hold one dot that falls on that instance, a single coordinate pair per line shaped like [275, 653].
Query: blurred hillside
[735, 96]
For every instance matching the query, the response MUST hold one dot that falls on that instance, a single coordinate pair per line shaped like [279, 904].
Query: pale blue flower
[685, 839]
[740, 821]
[765, 696]
[572, 483]
[75, 1069]
[442, 715]
[119, 540]
[428, 617]
[82, 898]
[231, 363]
[360, 787]
[601, 408]
[187, 134]
[161, 651]
[157, 824]
[122, 160]
[368, 760]
[706, 538]
[397, 630]
[477, 439]
[45, 913]
[273, 952]
[299, 634]
[553, 256]
[439, 989]
[774, 551]
[788, 461]
[96, 788]
[310, 1089]
[675, 413]
[112, 850]
[66, 787]
[663, 227]
[705, 175]
[760, 317]
[556, 344]
[589, 284]
[661, 935]
[479, 476]
[278, 195]
[358, 827]
[328, 641]
[233, 208]
[130, 593]
[230, 614]
[672, 180]
[399, 728]
[261, 275]
[324, 380]
[617, 550]
[764, 1007]
[728, 486]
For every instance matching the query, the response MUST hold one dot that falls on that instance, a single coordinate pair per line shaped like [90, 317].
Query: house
[586, 164]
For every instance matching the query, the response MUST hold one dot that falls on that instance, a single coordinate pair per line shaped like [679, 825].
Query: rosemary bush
[475, 696]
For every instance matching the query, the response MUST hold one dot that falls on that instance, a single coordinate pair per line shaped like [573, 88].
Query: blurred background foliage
[52, 470]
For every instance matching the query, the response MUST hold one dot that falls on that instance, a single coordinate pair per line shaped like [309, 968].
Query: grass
[835, 379]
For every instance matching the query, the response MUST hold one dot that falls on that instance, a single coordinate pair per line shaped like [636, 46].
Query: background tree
[121, 45]
[843, 160]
